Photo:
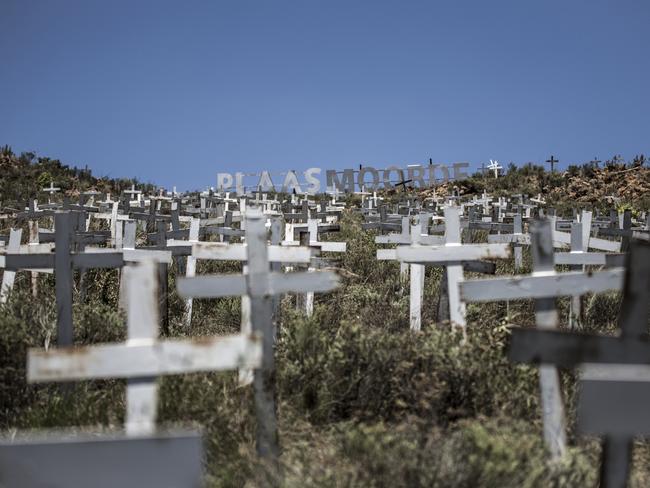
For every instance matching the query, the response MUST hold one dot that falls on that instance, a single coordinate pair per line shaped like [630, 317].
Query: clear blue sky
[174, 92]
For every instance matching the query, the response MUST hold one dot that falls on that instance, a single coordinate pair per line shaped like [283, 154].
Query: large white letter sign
[458, 173]
[416, 173]
[375, 178]
[432, 173]
[400, 172]
[239, 183]
[345, 184]
[313, 180]
[265, 184]
[224, 181]
[291, 183]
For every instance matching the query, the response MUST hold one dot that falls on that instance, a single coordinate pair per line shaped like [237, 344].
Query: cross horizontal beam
[564, 239]
[444, 254]
[145, 359]
[423, 239]
[134, 255]
[325, 246]
[523, 239]
[567, 349]
[238, 252]
[590, 259]
[278, 283]
[541, 286]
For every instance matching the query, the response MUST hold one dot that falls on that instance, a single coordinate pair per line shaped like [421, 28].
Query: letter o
[375, 178]
[387, 183]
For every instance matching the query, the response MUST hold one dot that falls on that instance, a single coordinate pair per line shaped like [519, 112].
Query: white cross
[51, 189]
[538, 199]
[517, 239]
[239, 252]
[494, 166]
[312, 227]
[144, 356]
[259, 284]
[451, 255]
[8, 277]
[413, 235]
[563, 239]
[306, 302]
[543, 285]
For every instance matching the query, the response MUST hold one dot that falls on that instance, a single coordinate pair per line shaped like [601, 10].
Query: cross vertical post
[63, 275]
[257, 281]
[142, 328]
[8, 277]
[190, 269]
[546, 317]
[454, 269]
[163, 282]
[416, 285]
[552, 162]
[518, 229]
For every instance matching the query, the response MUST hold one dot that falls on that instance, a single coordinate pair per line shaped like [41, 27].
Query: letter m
[345, 184]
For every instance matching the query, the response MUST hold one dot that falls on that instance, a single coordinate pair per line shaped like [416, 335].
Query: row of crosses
[144, 357]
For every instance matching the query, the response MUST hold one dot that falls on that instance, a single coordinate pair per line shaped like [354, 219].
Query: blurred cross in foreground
[615, 370]
[543, 285]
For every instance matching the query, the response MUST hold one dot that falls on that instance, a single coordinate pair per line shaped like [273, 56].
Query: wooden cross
[494, 166]
[190, 267]
[410, 235]
[624, 230]
[451, 255]
[562, 239]
[384, 223]
[403, 184]
[538, 199]
[63, 261]
[260, 285]
[518, 239]
[328, 214]
[543, 286]
[111, 217]
[314, 228]
[239, 252]
[613, 398]
[552, 162]
[8, 277]
[143, 357]
[150, 218]
[309, 239]
[403, 238]
[546, 316]
[51, 190]
[33, 247]
[595, 162]
[133, 192]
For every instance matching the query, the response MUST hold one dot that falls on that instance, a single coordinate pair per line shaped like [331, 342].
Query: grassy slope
[24, 176]
[363, 401]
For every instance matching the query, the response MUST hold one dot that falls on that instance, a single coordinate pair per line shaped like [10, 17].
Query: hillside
[25, 175]
[363, 401]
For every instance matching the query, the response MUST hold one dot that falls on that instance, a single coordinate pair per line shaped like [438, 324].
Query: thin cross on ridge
[552, 162]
